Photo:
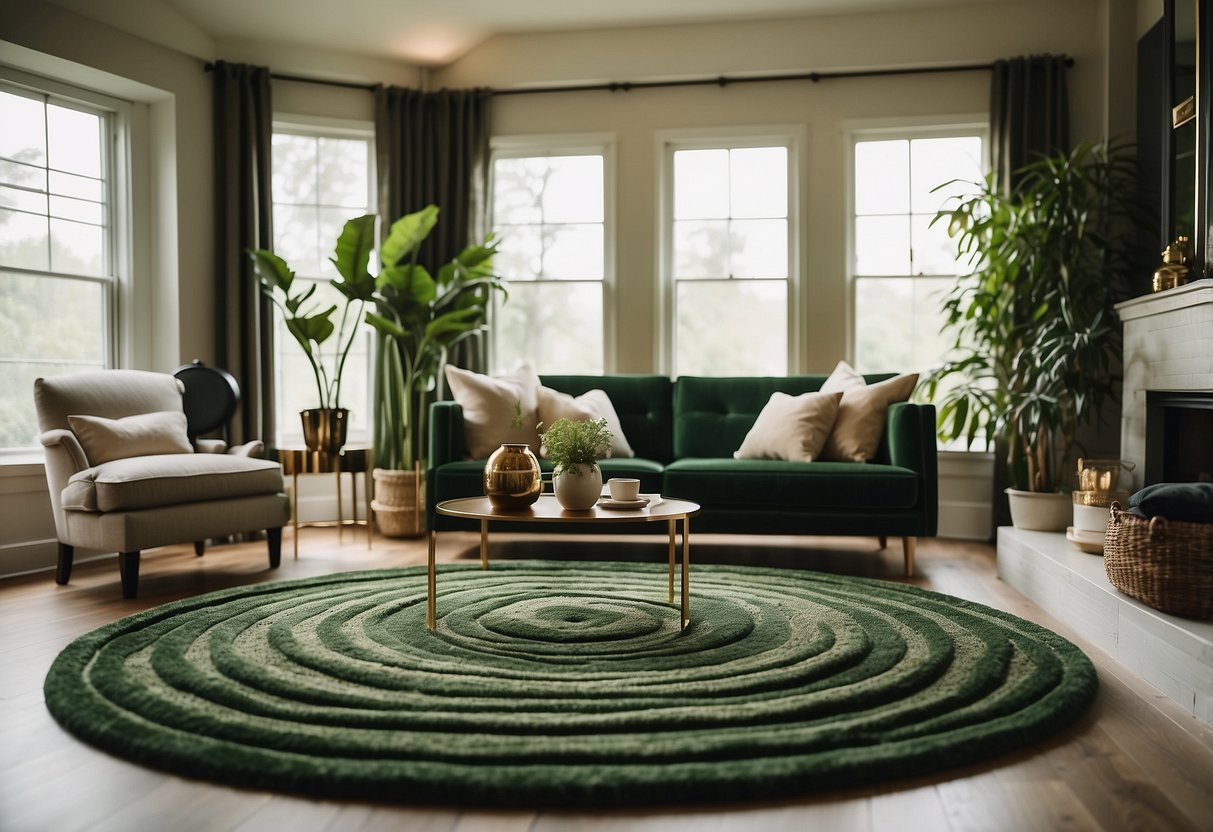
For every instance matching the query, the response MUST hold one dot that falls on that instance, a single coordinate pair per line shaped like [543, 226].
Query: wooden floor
[1136, 761]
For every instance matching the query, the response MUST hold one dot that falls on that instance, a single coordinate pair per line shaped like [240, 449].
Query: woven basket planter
[399, 502]
[1167, 564]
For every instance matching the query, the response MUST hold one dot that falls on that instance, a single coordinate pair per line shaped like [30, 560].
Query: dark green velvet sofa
[684, 433]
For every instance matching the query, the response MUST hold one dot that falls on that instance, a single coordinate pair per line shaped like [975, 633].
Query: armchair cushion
[168, 479]
[143, 434]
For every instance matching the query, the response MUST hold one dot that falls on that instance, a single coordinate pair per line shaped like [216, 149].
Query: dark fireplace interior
[1179, 437]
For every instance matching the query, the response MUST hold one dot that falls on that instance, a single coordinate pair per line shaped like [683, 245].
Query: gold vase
[324, 428]
[511, 477]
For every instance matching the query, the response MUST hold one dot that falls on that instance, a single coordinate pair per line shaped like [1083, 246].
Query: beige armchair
[124, 477]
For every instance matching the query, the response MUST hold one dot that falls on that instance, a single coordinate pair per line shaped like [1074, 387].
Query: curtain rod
[718, 80]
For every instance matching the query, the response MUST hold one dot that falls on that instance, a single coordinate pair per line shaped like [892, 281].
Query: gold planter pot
[324, 428]
[511, 477]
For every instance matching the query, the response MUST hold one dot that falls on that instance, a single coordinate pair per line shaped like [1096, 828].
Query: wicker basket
[1167, 564]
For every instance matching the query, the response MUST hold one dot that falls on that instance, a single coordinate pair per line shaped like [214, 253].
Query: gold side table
[352, 460]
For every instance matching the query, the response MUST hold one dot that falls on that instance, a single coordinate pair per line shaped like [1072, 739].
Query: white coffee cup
[624, 489]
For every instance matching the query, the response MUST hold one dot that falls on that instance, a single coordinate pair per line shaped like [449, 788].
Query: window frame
[568, 144]
[792, 137]
[296, 124]
[122, 282]
[967, 124]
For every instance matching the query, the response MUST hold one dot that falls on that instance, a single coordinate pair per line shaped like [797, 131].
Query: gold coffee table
[547, 510]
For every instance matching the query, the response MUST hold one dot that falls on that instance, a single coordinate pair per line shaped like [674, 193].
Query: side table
[352, 460]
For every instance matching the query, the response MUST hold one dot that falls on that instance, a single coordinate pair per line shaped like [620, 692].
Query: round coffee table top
[547, 510]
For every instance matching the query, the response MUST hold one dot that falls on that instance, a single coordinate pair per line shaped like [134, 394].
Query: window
[730, 253]
[321, 177]
[902, 266]
[60, 258]
[550, 207]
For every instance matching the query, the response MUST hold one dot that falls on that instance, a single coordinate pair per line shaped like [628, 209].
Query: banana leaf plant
[309, 322]
[418, 317]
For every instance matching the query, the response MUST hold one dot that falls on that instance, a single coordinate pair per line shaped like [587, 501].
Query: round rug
[567, 683]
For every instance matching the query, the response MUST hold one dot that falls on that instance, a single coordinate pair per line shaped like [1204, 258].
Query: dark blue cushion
[1191, 502]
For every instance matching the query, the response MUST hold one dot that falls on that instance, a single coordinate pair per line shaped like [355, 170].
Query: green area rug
[567, 683]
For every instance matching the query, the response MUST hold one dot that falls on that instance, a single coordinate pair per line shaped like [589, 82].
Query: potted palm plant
[574, 446]
[324, 427]
[418, 317]
[1036, 341]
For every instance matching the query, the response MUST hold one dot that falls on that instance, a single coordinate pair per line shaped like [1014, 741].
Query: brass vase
[324, 428]
[511, 477]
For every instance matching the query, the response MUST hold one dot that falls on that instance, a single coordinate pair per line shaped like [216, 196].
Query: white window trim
[792, 136]
[573, 144]
[967, 124]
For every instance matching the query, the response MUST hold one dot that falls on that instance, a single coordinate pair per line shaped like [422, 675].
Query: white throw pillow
[489, 408]
[593, 404]
[861, 416]
[791, 427]
[144, 434]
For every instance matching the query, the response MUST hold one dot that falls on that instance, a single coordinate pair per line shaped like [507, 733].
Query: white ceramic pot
[1041, 511]
[1090, 518]
[577, 488]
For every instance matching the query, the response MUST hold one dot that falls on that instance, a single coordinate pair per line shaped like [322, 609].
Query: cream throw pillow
[144, 434]
[593, 404]
[861, 416]
[488, 408]
[791, 427]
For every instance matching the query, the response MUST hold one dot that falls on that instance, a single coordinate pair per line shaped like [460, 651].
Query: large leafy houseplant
[419, 317]
[310, 323]
[1036, 341]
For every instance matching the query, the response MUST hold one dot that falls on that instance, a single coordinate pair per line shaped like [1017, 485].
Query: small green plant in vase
[574, 448]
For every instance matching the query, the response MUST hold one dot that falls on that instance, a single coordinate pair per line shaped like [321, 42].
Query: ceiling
[436, 32]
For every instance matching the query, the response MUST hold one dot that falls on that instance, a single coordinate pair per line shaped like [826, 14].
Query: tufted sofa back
[643, 403]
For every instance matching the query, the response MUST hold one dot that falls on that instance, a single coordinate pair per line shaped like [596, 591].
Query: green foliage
[312, 326]
[576, 442]
[418, 318]
[1036, 341]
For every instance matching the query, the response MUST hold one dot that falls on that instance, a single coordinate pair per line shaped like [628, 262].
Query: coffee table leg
[686, 571]
[484, 544]
[295, 511]
[430, 606]
[673, 530]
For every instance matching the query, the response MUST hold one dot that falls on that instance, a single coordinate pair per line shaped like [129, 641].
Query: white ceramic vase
[578, 487]
[1044, 511]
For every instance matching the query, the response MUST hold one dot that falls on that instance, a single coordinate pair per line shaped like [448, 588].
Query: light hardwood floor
[1135, 761]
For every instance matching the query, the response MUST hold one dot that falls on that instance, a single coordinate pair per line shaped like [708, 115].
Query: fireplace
[1179, 437]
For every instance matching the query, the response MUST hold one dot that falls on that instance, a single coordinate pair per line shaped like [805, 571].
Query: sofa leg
[63, 572]
[884, 542]
[273, 540]
[128, 569]
[907, 550]
[199, 547]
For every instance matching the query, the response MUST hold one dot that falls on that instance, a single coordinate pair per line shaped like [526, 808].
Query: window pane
[518, 190]
[77, 248]
[24, 240]
[295, 163]
[22, 129]
[573, 190]
[27, 176]
[74, 141]
[760, 248]
[934, 162]
[759, 181]
[882, 177]
[343, 173]
[732, 328]
[934, 250]
[701, 248]
[23, 200]
[297, 237]
[882, 245]
[573, 252]
[701, 184]
[520, 255]
[80, 187]
[80, 210]
[555, 326]
[899, 323]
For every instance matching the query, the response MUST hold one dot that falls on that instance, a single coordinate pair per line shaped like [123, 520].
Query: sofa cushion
[143, 434]
[791, 427]
[169, 479]
[810, 486]
[490, 404]
[644, 404]
[861, 416]
[592, 404]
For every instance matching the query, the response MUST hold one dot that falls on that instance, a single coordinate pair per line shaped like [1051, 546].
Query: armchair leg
[63, 572]
[884, 542]
[907, 550]
[128, 569]
[199, 547]
[273, 540]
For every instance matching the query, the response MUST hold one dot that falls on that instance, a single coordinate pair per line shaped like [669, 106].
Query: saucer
[607, 502]
[1086, 541]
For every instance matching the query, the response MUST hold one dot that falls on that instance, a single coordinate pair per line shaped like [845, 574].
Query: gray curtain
[243, 123]
[1029, 114]
[433, 147]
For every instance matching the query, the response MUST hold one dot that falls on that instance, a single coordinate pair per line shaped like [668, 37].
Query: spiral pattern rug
[567, 684]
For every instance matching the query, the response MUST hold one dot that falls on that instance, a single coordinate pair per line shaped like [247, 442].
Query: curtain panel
[1029, 114]
[244, 337]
